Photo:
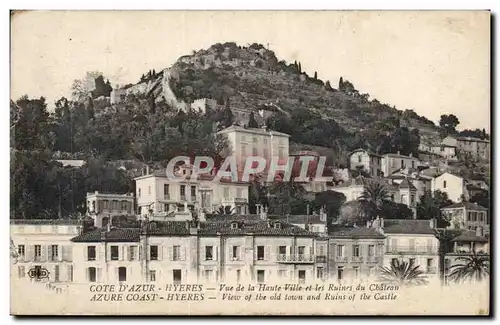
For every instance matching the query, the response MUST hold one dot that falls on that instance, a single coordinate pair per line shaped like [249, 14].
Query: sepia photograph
[250, 163]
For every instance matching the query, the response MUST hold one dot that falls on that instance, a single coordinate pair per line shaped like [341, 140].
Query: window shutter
[69, 252]
[31, 253]
[49, 251]
[43, 249]
[230, 253]
[170, 252]
[99, 275]
[310, 251]
[140, 253]
[204, 251]
[241, 253]
[129, 253]
[267, 253]
[117, 273]
[87, 274]
[148, 254]
[121, 252]
[160, 252]
[216, 253]
[183, 253]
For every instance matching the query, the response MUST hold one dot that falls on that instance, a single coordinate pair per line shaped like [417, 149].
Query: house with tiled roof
[411, 240]
[453, 185]
[467, 215]
[391, 162]
[355, 252]
[466, 244]
[229, 249]
[366, 161]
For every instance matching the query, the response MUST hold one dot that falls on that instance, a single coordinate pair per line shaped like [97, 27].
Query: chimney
[103, 235]
[411, 154]
[479, 231]
[382, 223]
[399, 152]
[432, 223]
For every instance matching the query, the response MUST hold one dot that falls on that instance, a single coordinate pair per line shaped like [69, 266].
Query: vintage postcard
[250, 163]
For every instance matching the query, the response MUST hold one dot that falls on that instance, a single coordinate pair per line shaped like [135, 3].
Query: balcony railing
[295, 258]
[166, 196]
[372, 259]
[183, 197]
[321, 259]
[357, 259]
[411, 250]
[341, 259]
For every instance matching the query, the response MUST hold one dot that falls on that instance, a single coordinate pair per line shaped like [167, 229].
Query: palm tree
[403, 273]
[373, 197]
[474, 267]
[223, 210]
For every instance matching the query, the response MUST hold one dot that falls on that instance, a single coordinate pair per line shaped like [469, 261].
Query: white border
[200, 4]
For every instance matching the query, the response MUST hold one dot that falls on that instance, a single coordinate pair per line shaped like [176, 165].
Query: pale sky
[432, 62]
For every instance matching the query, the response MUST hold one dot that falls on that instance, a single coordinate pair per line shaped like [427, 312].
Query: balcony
[321, 259]
[182, 197]
[357, 259]
[412, 250]
[166, 197]
[372, 259]
[341, 259]
[295, 258]
[240, 200]
[431, 270]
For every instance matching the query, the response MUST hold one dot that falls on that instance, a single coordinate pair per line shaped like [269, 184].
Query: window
[166, 192]
[209, 253]
[238, 275]
[355, 270]
[319, 273]
[234, 225]
[38, 252]
[132, 253]
[114, 253]
[282, 250]
[152, 275]
[208, 275]
[281, 273]
[139, 192]
[239, 193]
[430, 262]
[413, 164]
[321, 250]
[444, 184]
[255, 151]
[402, 163]
[122, 274]
[91, 253]
[153, 253]
[193, 193]
[92, 274]
[340, 272]
[355, 250]
[176, 253]
[359, 158]
[57, 273]
[54, 252]
[301, 250]
[255, 140]
[371, 250]
[260, 276]
[371, 270]
[183, 192]
[21, 272]
[394, 260]
[302, 276]
[260, 253]
[266, 152]
[149, 190]
[70, 273]
[340, 250]
[235, 253]
[226, 193]
[21, 250]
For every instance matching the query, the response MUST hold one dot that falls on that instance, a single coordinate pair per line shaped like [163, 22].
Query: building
[44, 245]
[467, 215]
[107, 205]
[467, 244]
[392, 162]
[246, 142]
[163, 196]
[366, 161]
[190, 251]
[411, 240]
[454, 186]
[477, 148]
[203, 105]
[354, 252]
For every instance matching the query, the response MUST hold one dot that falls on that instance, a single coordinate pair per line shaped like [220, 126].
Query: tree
[341, 84]
[315, 75]
[403, 273]
[430, 206]
[82, 88]
[482, 199]
[332, 201]
[373, 197]
[474, 268]
[227, 117]
[448, 124]
[328, 87]
[300, 67]
[352, 213]
[252, 123]
[392, 210]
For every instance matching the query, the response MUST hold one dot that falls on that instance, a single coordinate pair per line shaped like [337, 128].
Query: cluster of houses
[169, 231]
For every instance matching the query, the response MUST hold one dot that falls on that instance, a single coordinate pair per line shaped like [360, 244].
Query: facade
[477, 148]
[203, 105]
[454, 186]
[355, 253]
[247, 142]
[467, 215]
[446, 151]
[155, 191]
[203, 251]
[411, 239]
[44, 244]
[366, 161]
[467, 244]
[106, 205]
[392, 162]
